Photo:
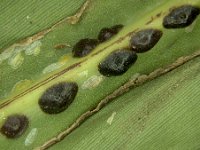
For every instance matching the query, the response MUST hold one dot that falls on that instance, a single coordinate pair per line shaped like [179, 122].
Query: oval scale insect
[84, 47]
[117, 63]
[14, 126]
[145, 40]
[57, 98]
[107, 33]
[181, 17]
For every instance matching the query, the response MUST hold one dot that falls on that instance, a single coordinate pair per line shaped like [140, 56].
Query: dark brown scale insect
[117, 63]
[144, 40]
[181, 17]
[57, 98]
[84, 47]
[107, 33]
[14, 126]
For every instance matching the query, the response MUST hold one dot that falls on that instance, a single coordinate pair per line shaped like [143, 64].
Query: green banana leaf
[37, 38]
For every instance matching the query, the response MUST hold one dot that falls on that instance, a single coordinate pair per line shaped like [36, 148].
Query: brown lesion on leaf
[75, 18]
[132, 83]
[61, 46]
[154, 17]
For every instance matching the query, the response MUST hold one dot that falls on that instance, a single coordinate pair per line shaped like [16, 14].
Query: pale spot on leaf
[16, 60]
[33, 49]
[111, 118]
[31, 137]
[52, 67]
[83, 73]
[92, 82]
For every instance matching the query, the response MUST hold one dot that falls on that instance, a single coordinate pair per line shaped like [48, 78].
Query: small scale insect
[181, 17]
[145, 40]
[84, 47]
[14, 126]
[117, 63]
[57, 98]
[107, 33]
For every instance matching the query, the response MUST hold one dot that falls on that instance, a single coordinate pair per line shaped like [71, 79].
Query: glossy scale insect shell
[145, 40]
[57, 98]
[107, 33]
[84, 47]
[14, 126]
[181, 17]
[117, 63]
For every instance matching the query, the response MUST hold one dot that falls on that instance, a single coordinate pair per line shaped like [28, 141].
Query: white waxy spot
[14, 55]
[5, 55]
[52, 67]
[31, 137]
[16, 60]
[83, 74]
[33, 49]
[92, 82]
[111, 118]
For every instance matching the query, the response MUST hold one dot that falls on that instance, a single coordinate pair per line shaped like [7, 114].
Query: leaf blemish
[111, 118]
[83, 73]
[76, 18]
[61, 46]
[52, 67]
[33, 49]
[15, 55]
[31, 137]
[92, 82]
[16, 60]
[14, 126]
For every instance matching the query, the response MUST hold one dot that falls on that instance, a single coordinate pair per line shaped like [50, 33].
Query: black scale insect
[57, 98]
[14, 126]
[107, 33]
[145, 40]
[181, 17]
[84, 47]
[117, 63]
